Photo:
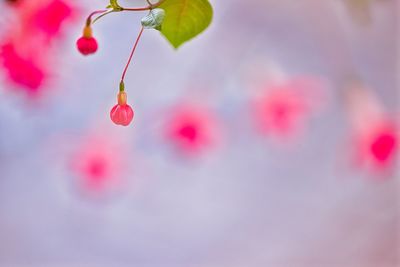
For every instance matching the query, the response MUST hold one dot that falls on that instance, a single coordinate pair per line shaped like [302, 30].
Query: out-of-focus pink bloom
[378, 146]
[281, 112]
[99, 164]
[43, 18]
[50, 17]
[25, 54]
[375, 135]
[191, 129]
[21, 70]
[284, 108]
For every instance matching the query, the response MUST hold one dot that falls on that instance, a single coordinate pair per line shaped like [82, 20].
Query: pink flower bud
[87, 44]
[122, 113]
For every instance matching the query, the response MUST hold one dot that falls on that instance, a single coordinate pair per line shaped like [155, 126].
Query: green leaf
[185, 19]
[154, 19]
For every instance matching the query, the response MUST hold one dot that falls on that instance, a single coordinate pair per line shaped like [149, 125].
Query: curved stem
[102, 15]
[137, 8]
[107, 11]
[131, 56]
[149, 7]
[89, 18]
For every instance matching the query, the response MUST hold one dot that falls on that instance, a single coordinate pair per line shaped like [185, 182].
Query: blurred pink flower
[99, 164]
[191, 129]
[284, 108]
[42, 18]
[378, 145]
[21, 70]
[375, 135]
[25, 52]
[50, 16]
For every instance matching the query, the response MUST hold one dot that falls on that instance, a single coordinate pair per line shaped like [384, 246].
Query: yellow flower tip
[87, 32]
[122, 98]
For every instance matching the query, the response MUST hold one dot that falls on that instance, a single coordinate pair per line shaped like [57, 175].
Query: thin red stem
[149, 7]
[131, 55]
[89, 18]
[137, 8]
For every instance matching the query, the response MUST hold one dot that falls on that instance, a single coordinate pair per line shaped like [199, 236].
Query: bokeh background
[219, 168]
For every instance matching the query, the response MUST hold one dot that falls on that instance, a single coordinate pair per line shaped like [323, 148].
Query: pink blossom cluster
[26, 48]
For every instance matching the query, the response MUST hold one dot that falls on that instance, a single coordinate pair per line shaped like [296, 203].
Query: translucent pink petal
[122, 115]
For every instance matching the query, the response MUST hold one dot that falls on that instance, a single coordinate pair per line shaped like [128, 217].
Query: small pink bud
[122, 113]
[87, 44]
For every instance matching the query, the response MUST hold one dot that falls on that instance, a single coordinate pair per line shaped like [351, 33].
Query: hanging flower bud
[87, 44]
[122, 113]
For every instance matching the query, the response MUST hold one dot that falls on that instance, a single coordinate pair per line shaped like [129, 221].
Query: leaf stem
[131, 56]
